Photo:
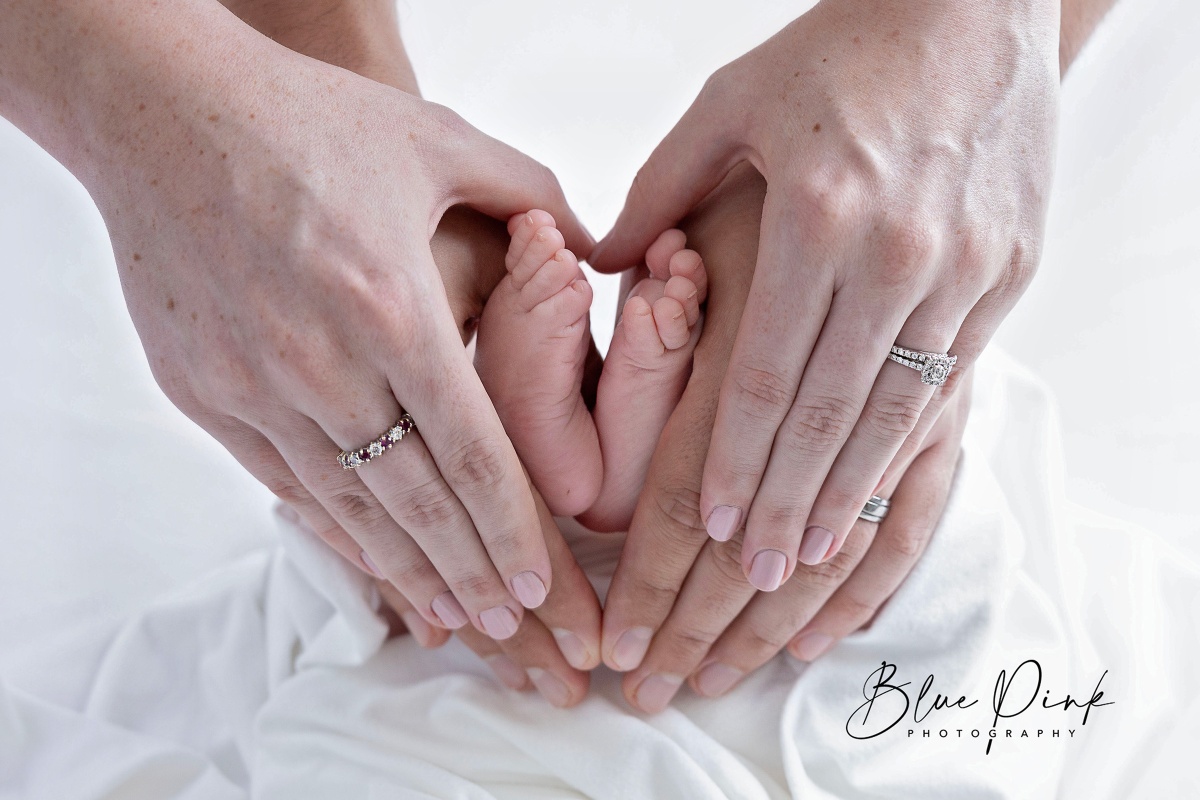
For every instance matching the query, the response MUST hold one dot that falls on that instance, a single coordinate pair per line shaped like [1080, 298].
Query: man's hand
[271, 218]
[907, 149]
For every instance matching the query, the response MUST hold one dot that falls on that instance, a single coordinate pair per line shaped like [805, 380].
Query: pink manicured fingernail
[508, 671]
[550, 686]
[631, 648]
[717, 679]
[811, 646]
[369, 564]
[814, 545]
[723, 522]
[656, 692]
[766, 570]
[529, 589]
[449, 611]
[499, 622]
[421, 630]
[572, 647]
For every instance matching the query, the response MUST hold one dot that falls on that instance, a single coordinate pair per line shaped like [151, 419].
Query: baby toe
[552, 277]
[670, 320]
[522, 228]
[543, 247]
[658, 255]
[687, 295]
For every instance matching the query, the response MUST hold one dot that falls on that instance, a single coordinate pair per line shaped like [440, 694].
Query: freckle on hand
[137, 256]
[170, 304]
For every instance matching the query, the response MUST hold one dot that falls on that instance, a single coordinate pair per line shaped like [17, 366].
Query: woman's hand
[679, 607]
[907, 150]
[271, 218]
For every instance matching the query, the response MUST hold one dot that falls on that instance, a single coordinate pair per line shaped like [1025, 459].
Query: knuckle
[857, 609]
[1022, 265]
[767, 637]
[356, 509]
[761, 392]
[821, 423]
[831, 200]
[909, 246]
[832, 573]
[904, 546]
[404, 570]
[444, 124]
[717, 85]
[429, 506]
[473, 584]
[288, 488]
[727, 561]
[690, 642]
[891, 416]
[679, 506]
[477, 466]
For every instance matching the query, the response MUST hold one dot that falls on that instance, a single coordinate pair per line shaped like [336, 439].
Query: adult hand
[271, 218]
[557, 645]
[679, 605]
[907, 149]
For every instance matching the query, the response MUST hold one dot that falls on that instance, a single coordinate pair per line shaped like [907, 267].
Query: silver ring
[353, 459]
[876, 509]
[934, 367]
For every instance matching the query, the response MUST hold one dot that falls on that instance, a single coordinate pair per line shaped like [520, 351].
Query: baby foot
[533, 340]
[645, 373]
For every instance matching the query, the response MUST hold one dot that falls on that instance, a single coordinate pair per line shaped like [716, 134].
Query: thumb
[688, 164]
[500, 181]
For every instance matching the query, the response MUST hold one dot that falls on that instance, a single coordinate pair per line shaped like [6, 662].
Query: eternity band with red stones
[353, 459]
[934, 367]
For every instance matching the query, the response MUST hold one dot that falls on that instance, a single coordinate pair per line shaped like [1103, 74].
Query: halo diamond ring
[934, 367]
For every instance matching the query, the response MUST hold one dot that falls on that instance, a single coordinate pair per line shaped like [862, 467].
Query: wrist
[363, 37]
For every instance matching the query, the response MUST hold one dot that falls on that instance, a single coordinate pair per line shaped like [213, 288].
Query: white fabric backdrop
[1108, 323]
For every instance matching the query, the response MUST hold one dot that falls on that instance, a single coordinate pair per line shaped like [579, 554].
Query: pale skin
[66, 72]
[271, 216]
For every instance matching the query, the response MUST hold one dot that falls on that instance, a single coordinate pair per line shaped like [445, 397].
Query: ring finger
[892, 411]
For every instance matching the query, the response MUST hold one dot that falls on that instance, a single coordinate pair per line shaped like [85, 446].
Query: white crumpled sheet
[271, 678]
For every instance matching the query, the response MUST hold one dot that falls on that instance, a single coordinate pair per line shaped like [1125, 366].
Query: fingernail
[421, 630]
[508, 671]
[499, 622]
[723, 522]
[717, 679]
[369, 564]
[766, 570]
[449, 610]
[811, 646]
[814, 545]
[572, 647]
[551, 687]
[288, 513]
[631, 648]
[529, 589]
[656, 692]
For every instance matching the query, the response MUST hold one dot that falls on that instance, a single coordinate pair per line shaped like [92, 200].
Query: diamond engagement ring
[876, 509]
[353, 459]
[934, 367]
